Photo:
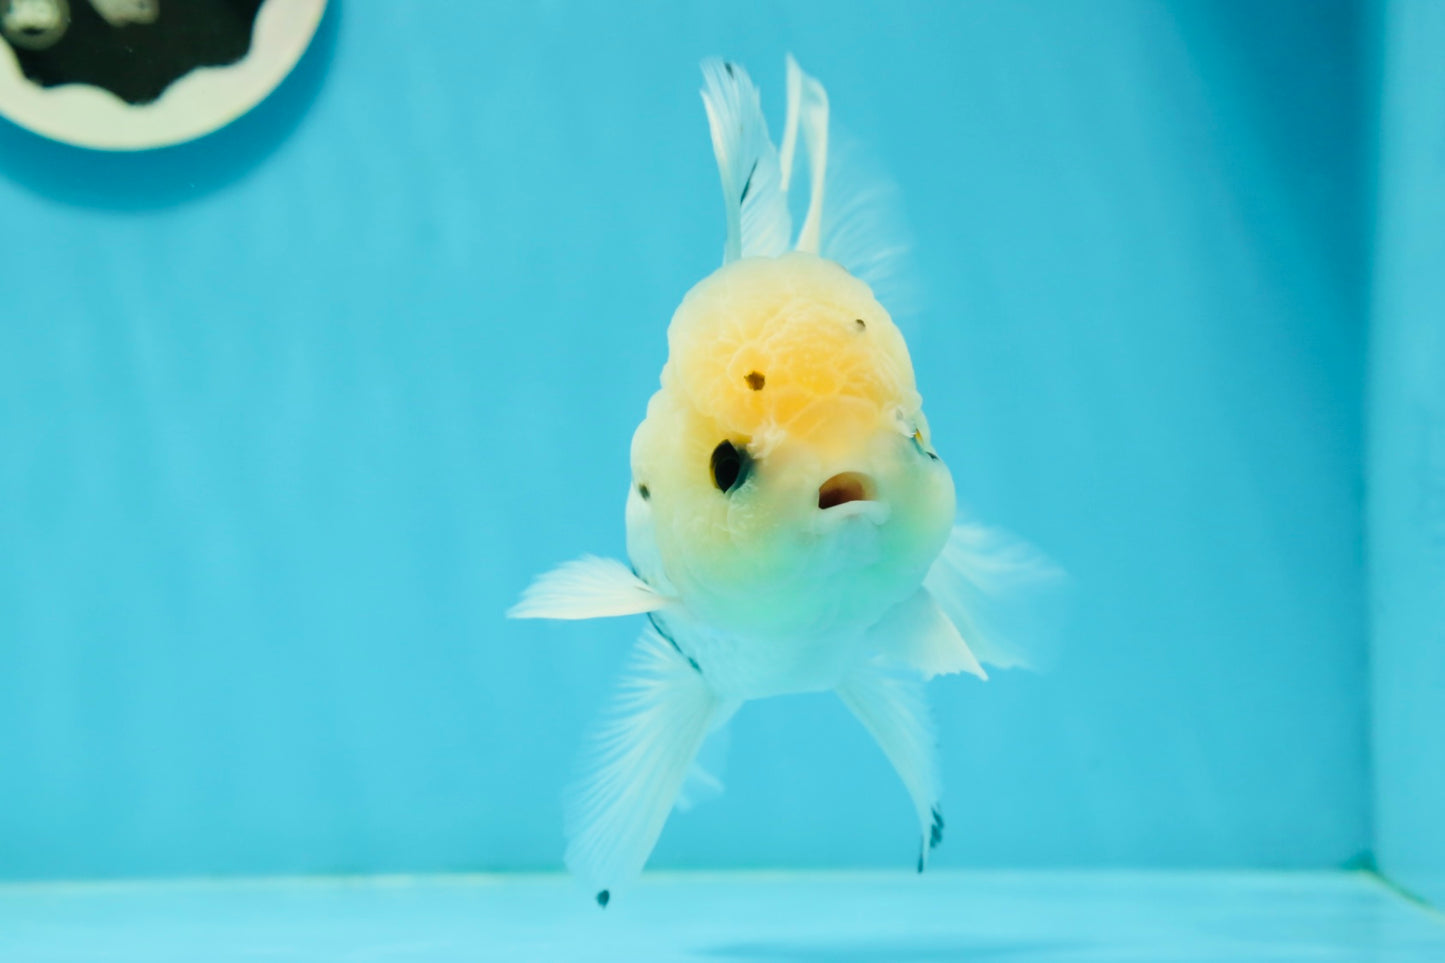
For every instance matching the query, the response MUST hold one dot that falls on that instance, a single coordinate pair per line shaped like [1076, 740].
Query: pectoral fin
[587, 588]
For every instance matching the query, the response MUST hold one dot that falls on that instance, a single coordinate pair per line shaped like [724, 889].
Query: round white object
[198, 103]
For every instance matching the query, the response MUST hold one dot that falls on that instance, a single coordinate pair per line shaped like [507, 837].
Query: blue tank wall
[1407, 454]
[290, 416]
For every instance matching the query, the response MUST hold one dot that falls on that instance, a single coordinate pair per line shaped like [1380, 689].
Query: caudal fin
[808, 113]
[892, 706]
[636, 763]
[753, 195]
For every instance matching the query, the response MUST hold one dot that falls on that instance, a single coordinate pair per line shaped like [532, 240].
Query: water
[291, 414]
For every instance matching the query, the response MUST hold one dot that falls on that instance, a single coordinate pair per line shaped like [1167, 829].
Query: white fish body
[789, 525]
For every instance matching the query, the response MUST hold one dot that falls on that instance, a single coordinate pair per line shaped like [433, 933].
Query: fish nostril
[848, 486]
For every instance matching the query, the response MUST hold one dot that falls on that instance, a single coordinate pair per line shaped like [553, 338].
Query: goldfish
[791, 527]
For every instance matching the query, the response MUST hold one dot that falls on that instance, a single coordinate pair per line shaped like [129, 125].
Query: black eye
[729, 466]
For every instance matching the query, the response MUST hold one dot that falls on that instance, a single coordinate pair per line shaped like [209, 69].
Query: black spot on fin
[603, 897]
[935, 834]
[652, 617]
[749, 182]
[920, 860]
[728, 67]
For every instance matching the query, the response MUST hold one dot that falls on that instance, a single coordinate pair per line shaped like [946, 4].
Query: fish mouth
[845, 488]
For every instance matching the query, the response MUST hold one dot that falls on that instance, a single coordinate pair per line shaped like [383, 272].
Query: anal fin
[918, 634]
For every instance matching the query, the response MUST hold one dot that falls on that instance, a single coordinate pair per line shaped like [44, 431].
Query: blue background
[1406, 508]
[290, 415]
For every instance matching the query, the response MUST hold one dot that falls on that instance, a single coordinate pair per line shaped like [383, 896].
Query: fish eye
[729, 466]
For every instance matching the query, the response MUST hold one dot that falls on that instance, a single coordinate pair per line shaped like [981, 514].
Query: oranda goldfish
[790, 525]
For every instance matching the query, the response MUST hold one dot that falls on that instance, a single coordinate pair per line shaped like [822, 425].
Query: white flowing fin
[757, 210]
[789, 144]
[918, 634]
[587, 588]
[705, 778]
[892, 707]
[1005, 597]
[865, 229]
[635, 764]
[808, 114]
[860, 222]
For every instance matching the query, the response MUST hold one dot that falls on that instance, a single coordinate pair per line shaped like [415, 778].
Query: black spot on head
[602, 898]
[755, 380]
[644, 491]
[730, 466]
[860, 324]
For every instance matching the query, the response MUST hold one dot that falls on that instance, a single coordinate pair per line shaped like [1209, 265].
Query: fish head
[788, 472]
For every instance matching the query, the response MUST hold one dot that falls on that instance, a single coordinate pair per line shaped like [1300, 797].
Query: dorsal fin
[757, 209]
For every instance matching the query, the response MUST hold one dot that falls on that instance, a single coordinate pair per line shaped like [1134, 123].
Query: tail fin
[757, 209]
[1005, 596]
[855, 211]
[704, 780]
[808, 111]
[636, 764]
[892, 706]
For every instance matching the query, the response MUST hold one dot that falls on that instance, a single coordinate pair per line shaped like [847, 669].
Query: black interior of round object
[138, 61]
